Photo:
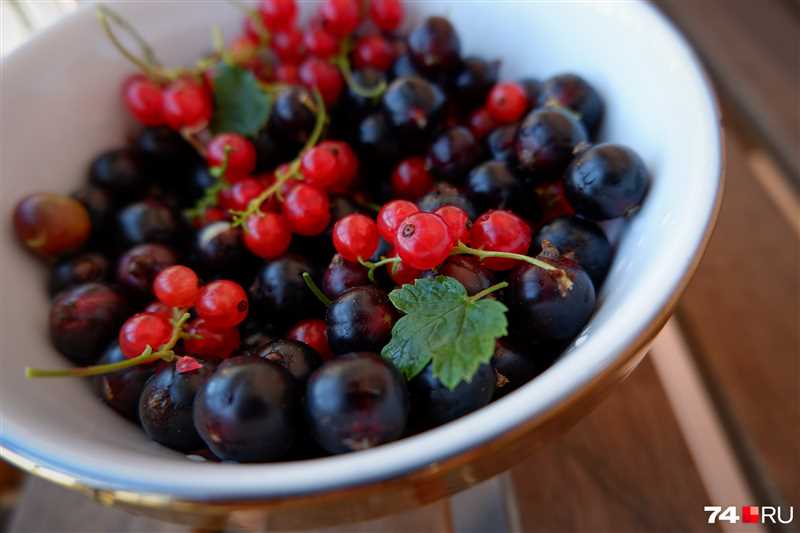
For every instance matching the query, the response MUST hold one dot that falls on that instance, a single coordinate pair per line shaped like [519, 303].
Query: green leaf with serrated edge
[443, 324]
[240, 106]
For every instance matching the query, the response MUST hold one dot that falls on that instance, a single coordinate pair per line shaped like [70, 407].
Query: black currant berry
[434, 47]
[219, 249]
[102, 211]
[453, 154]
[445, 194]
[361, 319]
[148, 221]
[492, 186]
[474, 81]
[467, 270]
[501, 143]
[342, 275]
[139, 266]
[575, 93]
[546, 142]
[122, 172]
[279, 292]
[433, 404]
[121, 389]
[298, 358]
[85, 268]
[514, 367]
[414, 107]
[293, 115]
[584, 240]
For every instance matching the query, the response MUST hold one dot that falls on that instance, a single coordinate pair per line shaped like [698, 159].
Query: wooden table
[712, 417]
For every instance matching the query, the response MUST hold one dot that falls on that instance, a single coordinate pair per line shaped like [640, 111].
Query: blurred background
[712, 417]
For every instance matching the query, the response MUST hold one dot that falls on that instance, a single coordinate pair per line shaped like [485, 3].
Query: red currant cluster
[506, 103]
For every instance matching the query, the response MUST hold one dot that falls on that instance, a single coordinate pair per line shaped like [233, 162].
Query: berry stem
[321, 296]
[489, 290]
[258, 23]
[211, 194]
[342, 60]
[370, 266]
[164, 352]
[148, 63]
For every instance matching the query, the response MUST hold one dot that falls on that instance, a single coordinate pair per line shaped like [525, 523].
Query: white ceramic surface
[59, 106]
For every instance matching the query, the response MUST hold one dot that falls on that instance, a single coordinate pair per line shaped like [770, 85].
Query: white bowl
[60, 106]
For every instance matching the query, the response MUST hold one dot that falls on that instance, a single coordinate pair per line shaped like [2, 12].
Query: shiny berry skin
[453, 154]
[238, 195]
[241, 156]
[391, 215]
[401, 273]
[187, 104]
[445, 194]
[293, 115]
[138, 267]
[457, 222]
[219, 249]
[433, 404]
[468, 271]
[222, 304]
[515, 367]
[355, 236]
[101, 209]
[356, 401]
[143, 330]
[177, 286]
[414, 106]
[501, 143]
[475, 79]
[85, 268]
[298, 358]
[500, 231]
[148, 221]
[354, 105]
[165, 407]
[320, 43]
[84, 320]
[248, 411]
[538, 306]
[360, 319]
[423, 240]
[493, 186]
[307, 209]
[386, 14]
[165, 147]
[584, 240]
[288, 45]
[507, 102]
[377, 142]
[280, 295]
[339, 17]
[575, 93]
[606, 181]
[346, 162]
[434, 47]
[267, 235]
[120, 390]
[160, 309]
[342, 275]
[533, 89]
[325, 77]
[210, 342]
[314, 333]
[373, 52]
[51, 225]
[288, 73]
[411, 179]
[278, 14]
[123, 172]
[546, 142]
[319, 167]
[144, 99]
[481, 123]
[550, 200]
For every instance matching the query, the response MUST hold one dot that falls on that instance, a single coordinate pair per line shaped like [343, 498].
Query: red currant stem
[485, 292]
[210, 196]
[342, 60]
[147, 356]
[321, 296]
[370, 266]
[148, 63]
[360, 202]
[258, 24]
[293, 168]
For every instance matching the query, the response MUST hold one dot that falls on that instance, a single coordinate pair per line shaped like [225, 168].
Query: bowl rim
[440, 447]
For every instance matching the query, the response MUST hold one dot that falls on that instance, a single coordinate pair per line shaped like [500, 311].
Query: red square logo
[750, 514]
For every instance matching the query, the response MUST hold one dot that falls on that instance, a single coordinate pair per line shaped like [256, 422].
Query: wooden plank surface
[623, 468]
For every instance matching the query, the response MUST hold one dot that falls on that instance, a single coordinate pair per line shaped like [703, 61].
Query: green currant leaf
[445, 325]
[240, 106]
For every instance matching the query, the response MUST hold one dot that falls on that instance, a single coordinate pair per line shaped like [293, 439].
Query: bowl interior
[59, 106]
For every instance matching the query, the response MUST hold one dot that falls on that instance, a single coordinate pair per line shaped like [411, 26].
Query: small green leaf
[444, 325]
[240, 104]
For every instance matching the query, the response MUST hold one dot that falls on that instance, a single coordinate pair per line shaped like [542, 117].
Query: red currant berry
[339, 17]
[318, 74]
[457, 220]
[187, 104]
[288, 45]
[209, 216]
[307, 209]
[403, 274]
[320, 43]
[481, 123]
[287, 73]
[243, 50]
[267, 235]
[423, 241]
[373, 52]
[241, 156]
[313, 332]
[160, 309]
[391, 215]
[204, 341]
[278, 14]
[346, 163]
[319, 167]
[237, 196]
[500, 231]
[142, 330]
[551, 199]
[386, 14]
[411, 179]
[250, 28]
[222, 304]
[144, 99]
[355, 236]
[177, 286]
[506, 102]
